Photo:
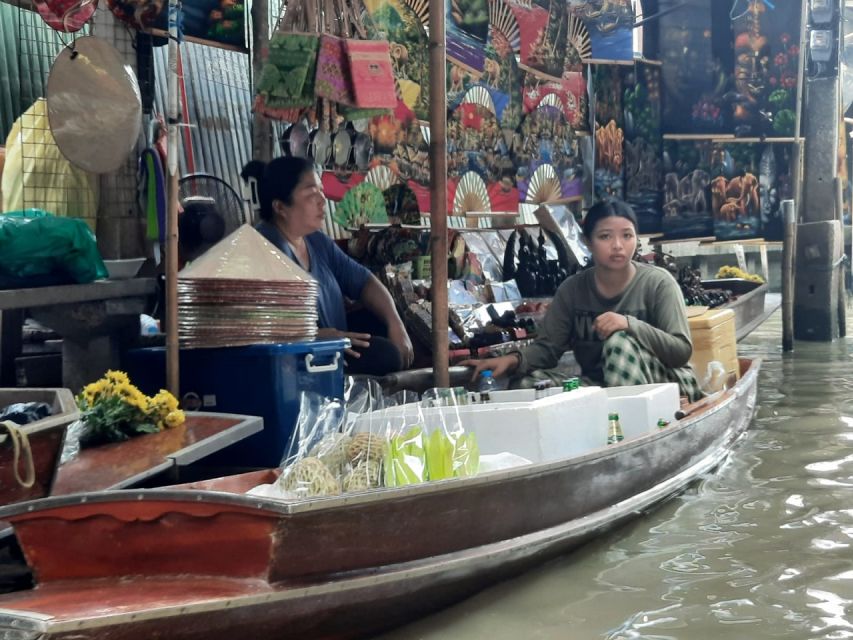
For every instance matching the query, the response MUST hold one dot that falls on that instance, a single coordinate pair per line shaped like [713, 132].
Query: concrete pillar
[817, 296]
[816, 290]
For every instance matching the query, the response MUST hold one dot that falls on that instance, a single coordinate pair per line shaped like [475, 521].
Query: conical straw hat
[245, 255]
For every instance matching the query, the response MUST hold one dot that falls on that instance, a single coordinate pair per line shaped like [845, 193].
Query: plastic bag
[71, 445]
[307, 468]
[35, 243]
[451, 451]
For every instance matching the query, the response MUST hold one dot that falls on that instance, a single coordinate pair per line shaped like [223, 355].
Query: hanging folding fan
[361, 205]
[544, 185]
[421, 9]
[471, 195]
[502, 20]
[551, 100]
[381, 177]
[579, 37]
[480, 96]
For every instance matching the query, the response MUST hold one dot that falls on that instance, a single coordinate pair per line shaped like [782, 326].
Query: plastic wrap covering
[36, 174]
[372, 441]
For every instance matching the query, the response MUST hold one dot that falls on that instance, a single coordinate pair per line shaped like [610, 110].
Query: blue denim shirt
[336, 273]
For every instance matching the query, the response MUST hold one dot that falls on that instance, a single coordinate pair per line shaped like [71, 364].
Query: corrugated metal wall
[27, 49]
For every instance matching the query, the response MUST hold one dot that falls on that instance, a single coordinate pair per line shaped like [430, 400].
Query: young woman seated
[292, 212]
[625, 321]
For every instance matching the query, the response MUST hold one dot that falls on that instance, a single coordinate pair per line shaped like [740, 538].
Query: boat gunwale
[39, 507]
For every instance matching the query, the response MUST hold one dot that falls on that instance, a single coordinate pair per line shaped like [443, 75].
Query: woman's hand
[498, 366]
[609, 323]
[398, 336]
[357, 339]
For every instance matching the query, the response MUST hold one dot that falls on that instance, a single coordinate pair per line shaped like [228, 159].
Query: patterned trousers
[627, 362]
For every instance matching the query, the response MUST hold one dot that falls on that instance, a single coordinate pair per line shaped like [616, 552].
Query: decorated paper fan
[480, 96]
[502, 20]
[361, 205]
[579, 37]
[421, 10]
[544, 185]
[381, 177]
[471, 195]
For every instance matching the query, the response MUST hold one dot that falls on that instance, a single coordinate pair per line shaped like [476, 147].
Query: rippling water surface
[759, 549]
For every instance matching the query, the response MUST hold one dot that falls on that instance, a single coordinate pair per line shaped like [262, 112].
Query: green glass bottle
[662, 423]
[614, 429]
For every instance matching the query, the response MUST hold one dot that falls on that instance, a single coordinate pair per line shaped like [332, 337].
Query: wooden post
[438, 190]
[172, 348]
[789, 242]
[261, 126]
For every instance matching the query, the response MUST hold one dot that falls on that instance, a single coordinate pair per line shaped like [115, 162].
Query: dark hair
[607, 209]
[276, 180]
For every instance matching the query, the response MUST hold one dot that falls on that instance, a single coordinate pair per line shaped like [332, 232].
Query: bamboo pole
[438, 190]
[789, 226]
[172, 348]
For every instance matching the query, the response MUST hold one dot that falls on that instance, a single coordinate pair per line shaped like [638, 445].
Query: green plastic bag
[37, 243]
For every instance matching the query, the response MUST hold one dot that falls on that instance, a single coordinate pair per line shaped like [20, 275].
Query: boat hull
[343, 567]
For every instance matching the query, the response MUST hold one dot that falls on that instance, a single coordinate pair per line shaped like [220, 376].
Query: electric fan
[211, 210]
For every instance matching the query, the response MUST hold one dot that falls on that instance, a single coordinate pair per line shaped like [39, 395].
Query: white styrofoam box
[559, 426]
[641, 406]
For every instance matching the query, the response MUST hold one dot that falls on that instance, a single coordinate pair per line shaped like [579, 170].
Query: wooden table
[94, 320]
[127, 464]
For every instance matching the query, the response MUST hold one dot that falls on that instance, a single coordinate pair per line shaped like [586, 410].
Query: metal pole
[172, 348]
[438, 190]
[789, 226]
[261, 126]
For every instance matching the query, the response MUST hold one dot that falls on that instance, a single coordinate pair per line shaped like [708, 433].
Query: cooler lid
[710, 319]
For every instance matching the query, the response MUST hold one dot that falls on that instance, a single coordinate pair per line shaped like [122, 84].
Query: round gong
[93, 105]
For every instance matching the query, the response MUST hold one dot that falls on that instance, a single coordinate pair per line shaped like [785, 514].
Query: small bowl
[123, 269]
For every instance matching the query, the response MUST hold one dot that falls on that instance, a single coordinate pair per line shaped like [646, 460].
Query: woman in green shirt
[625, 321]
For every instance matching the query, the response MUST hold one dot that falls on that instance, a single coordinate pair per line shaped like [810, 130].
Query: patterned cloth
[627, 362]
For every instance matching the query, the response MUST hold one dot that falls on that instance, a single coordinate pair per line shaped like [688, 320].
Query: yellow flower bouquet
[114, 410]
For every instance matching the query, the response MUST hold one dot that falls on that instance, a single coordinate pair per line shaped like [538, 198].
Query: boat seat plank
[126, 464]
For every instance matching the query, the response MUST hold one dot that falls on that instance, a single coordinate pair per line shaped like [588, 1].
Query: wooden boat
[28, 467]
[206, 561]
[750, 302]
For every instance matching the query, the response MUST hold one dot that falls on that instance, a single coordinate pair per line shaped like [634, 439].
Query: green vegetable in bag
[36, 243]
[440, 451]
[405, 458]
[466, 456]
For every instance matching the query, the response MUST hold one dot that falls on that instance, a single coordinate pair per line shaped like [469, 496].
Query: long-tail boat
[207, 561]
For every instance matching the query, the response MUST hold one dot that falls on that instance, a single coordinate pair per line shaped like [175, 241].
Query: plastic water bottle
[486, 386]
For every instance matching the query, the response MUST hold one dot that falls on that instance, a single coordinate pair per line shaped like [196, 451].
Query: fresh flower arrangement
[114, 410]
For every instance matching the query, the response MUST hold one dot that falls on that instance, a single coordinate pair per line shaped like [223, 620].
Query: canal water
[761, 548]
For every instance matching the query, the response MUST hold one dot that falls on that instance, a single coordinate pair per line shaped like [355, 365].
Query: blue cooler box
[260, 380]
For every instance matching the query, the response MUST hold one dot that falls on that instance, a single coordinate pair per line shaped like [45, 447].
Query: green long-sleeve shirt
[652, 303]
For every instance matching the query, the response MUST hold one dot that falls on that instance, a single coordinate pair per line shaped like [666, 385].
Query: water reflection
[758, 549]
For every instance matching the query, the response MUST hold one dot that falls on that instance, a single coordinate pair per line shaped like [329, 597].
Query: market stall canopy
[93, 105]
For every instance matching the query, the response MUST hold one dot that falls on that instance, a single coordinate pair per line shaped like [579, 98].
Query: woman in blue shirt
[293, 208]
